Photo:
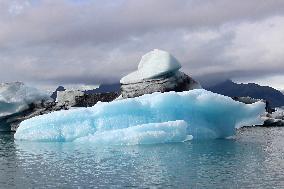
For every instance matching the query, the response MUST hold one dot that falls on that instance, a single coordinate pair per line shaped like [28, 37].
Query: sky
[61, 42]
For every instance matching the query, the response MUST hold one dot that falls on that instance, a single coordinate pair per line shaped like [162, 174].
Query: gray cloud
[91, 42]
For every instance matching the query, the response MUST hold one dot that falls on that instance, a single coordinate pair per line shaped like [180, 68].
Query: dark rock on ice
[169, 82]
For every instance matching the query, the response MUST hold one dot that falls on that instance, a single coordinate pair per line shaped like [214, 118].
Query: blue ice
[152, 118]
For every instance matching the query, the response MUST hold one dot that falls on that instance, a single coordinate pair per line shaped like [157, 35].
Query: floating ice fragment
[208, 115]
[16, 97]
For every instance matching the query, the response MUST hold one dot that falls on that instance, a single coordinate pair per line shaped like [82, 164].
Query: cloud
[277, 81]
[91, 42]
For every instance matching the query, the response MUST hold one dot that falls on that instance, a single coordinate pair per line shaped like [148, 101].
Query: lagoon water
[253, 159]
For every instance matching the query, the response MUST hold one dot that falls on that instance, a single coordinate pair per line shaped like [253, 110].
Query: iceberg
[151, 118]
[16, 97]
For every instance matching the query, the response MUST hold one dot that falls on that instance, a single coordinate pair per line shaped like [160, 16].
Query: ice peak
[153, 64]
[160, 60]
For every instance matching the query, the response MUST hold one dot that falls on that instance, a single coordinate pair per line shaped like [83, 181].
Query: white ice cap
[153, 64]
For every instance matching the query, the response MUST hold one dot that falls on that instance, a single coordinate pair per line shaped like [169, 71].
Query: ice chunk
[68, 96]
[15, 97]
[153, 64]
[279, 113]
[209, 116]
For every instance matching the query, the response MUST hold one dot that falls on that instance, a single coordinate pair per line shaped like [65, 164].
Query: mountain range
[103, 88]
[229, 88]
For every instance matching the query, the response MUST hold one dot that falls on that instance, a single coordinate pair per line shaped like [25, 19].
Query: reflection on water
[254, 159]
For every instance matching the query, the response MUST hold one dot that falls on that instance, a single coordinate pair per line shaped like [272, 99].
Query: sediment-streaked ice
[147, 119]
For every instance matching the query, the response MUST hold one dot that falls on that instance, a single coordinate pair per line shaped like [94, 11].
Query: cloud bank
[83, 41]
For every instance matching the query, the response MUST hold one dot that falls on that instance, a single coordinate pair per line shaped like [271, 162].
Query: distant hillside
[105, 88]
[229, 88]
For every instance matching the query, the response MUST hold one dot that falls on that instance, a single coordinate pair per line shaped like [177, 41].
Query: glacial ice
[153, 64]
[150, 118]
[68, 96]
[15, 97]
[151, 133]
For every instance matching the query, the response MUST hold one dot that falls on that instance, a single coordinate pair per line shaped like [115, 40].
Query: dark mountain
[105, 88]
[229, 88]
[54, 94]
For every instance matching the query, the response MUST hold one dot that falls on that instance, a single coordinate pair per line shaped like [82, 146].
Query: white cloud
[275, 81]
[99, 41]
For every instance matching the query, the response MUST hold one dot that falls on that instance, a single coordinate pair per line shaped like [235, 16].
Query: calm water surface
[254, 159]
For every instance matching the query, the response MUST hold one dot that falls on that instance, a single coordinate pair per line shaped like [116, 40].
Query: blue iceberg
[148, 119]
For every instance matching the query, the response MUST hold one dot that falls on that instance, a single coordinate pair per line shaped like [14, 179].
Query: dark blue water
[254, 159]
